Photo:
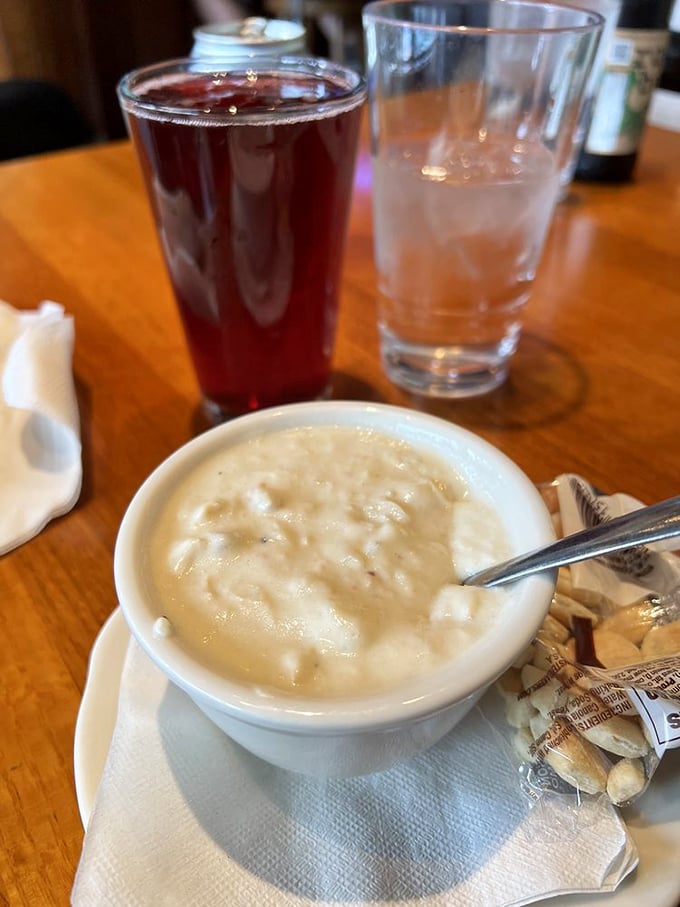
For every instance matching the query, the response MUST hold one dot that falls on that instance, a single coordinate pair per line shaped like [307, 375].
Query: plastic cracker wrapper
[594, 702]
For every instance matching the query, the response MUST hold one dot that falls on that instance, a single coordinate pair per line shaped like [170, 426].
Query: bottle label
[674, 24]
[632, 68]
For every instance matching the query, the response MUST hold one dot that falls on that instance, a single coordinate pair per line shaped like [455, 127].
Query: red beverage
[250, 176]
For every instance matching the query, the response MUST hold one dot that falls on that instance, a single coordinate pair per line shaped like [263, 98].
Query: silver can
[255, 37]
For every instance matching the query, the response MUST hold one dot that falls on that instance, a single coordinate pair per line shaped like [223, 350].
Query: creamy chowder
[324, 561]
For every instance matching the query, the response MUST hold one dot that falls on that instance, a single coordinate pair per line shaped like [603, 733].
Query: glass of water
[473, 106]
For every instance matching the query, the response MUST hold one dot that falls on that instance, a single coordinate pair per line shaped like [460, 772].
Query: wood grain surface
[594, 389]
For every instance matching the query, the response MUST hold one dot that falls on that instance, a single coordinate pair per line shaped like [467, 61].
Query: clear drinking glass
[473, 105]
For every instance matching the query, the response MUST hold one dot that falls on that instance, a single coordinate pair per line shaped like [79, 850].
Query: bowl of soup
[297, 573]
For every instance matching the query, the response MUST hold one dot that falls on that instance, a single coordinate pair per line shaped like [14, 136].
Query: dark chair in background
[35, 117]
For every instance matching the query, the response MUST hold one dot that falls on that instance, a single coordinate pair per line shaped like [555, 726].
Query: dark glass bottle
[634, 60]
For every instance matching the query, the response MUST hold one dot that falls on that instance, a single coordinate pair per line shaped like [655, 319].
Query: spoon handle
[641, 527]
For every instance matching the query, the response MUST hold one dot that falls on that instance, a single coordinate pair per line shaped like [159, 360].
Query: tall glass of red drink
[249, 174]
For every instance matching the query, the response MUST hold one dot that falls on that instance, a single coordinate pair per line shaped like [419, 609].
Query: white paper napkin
[40, 456]
[184, 816]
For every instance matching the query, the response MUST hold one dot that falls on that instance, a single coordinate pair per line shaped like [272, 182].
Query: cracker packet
[594, 702]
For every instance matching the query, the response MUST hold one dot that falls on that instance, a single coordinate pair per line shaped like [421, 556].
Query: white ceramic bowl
[361, 734]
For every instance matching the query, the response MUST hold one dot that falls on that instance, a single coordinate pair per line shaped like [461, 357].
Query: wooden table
[595, 389]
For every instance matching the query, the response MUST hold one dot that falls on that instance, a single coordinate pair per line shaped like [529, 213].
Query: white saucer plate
[654, 821]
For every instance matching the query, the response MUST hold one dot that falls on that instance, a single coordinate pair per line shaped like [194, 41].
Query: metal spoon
[641, 527]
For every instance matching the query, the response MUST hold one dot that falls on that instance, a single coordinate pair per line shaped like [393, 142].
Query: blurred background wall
[60, 60]
[82, 47]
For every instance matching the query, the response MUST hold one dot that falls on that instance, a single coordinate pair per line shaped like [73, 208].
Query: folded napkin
[40, 462]
[184, 816]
